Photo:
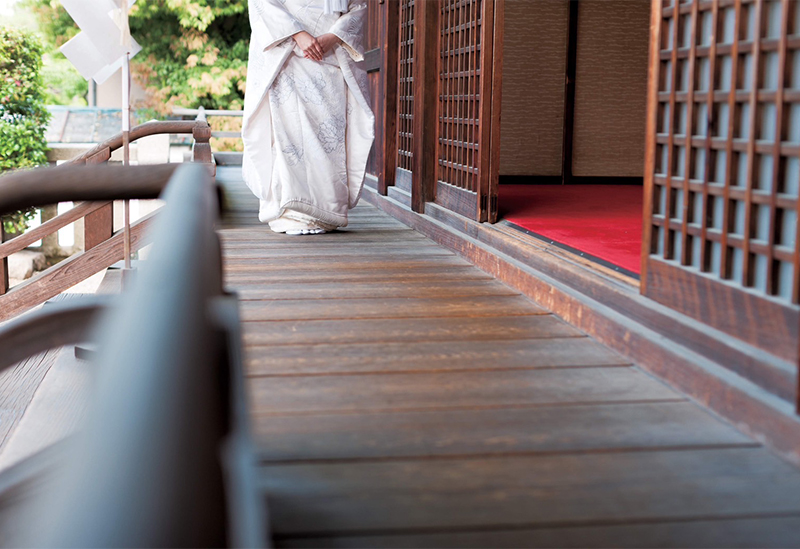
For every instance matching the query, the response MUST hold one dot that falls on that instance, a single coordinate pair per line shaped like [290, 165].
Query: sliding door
[723, 167]
[467, 87]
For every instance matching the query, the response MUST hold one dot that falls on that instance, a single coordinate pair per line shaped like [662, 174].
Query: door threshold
[588, 260]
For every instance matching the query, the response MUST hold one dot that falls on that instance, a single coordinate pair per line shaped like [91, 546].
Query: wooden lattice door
[723, 166]
[406, 52]
[468, 104]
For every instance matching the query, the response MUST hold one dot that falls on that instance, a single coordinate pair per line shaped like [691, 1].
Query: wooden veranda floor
[401, 397]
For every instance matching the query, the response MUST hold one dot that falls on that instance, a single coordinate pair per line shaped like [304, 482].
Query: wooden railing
[209, 113]
[102, 247]
[165, 458]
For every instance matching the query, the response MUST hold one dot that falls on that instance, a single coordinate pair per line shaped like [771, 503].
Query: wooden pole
[426, 97]
[126, 132]
[569, 94]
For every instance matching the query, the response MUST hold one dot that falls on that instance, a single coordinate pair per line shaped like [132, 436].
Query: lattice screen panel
[459, 92]
[405, 115]
[725, 198]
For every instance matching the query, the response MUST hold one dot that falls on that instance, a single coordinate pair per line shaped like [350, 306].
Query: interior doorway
[573, 125]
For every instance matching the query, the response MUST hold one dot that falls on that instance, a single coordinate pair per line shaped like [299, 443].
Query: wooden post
[98, 226]
[497, 96]
[201, 148]
[650, 137]
[390, 22]
[426, 99]
[569, 94]
[3, 263]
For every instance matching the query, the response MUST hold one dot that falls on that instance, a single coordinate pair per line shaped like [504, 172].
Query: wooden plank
[49, 227]
[354, 224]
[98, 226]
[336, 250]
[371, 497]
[369, 289]
[434, 391]
[759, 320]
[745, 533]
[664, 342]
[373, 263]
[309, 332]
[232, 237]
[430, 356]
[17, 387]
[310, 309]
[280, 275]
[491, 432]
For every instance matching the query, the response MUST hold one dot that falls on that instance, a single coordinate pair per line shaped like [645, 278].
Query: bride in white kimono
[308, 127]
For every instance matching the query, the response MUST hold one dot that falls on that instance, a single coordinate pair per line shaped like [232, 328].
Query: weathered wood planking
[385, 357]
[519, 491]
[363, 289]
[319, 273]
[745, 532]
[401, 397]
[497, 432]
[407, 307]
[441, 391]
[310, 332]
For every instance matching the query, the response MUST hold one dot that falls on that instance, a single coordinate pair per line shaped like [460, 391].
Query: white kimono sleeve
[279, 22]
[350, 26]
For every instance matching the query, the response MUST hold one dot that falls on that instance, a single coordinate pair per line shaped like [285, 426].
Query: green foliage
[23, 116]
[194, 51]
[63, 83]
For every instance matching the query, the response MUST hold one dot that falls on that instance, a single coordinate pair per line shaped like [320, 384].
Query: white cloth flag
[98, 51]
[332, 6]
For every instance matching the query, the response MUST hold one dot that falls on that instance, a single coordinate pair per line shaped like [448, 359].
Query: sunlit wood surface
[401, 397]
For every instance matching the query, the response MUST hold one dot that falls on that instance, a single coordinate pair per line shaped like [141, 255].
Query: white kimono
[308, 126]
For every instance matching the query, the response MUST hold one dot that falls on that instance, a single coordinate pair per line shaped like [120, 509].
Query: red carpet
[601, 220]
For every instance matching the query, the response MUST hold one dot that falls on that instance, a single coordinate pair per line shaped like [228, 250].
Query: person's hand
[328, 41]
[310, 45]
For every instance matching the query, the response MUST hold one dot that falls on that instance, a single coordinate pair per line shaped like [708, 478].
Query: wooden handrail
[169, 353]
[38, 187]
[56, 325]
[74, 269]
[73, 183]
[198, 128]
[24, 240]
[168, 427]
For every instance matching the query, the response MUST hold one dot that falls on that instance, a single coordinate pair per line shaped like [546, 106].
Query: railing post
[98, 226]
[3, 263]
[201, 148]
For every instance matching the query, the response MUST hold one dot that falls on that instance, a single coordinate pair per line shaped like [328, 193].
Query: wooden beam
[497, 97]
[653, 70]
[3, 263]
[426, 96]
[390, 22]
[69, 272]
[568, 135]
[49, 227]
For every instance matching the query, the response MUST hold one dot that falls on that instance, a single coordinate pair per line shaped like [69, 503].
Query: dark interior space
[572, 156]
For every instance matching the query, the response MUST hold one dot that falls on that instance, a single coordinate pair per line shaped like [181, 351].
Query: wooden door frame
[426, 42]
[390, 28]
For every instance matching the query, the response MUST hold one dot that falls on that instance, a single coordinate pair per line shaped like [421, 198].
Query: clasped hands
[315, 48]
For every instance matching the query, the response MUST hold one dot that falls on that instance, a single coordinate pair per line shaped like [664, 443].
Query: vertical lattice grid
[727, 173]
[459, 92]
[405, 114]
